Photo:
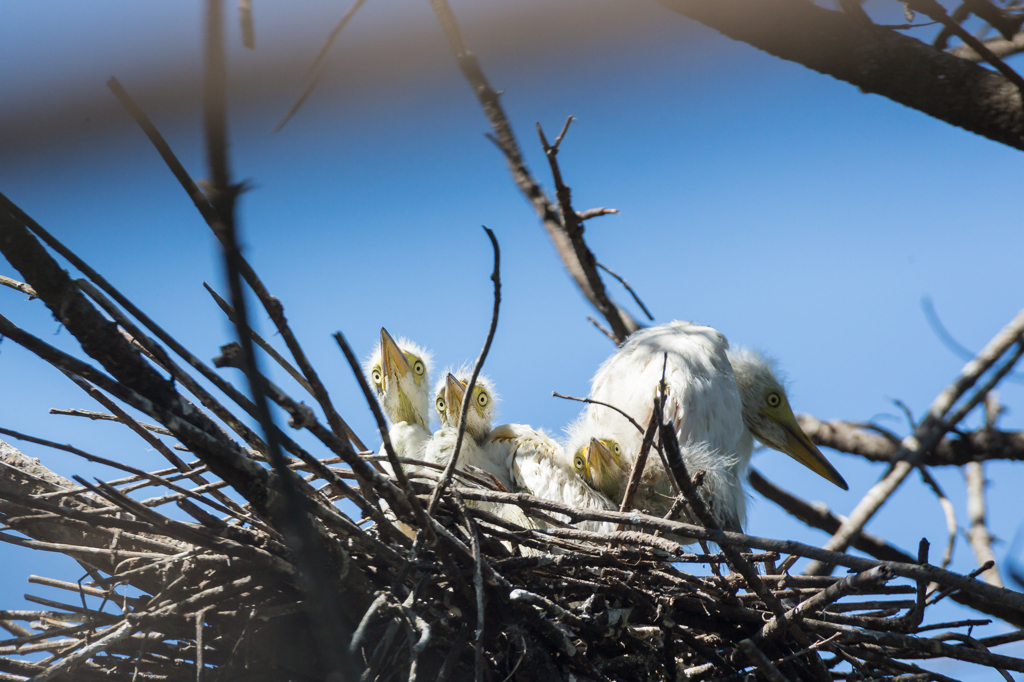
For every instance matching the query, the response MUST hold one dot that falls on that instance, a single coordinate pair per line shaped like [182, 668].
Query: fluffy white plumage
[702, 400]
[539, 466]
[399, 372]
[473, 452]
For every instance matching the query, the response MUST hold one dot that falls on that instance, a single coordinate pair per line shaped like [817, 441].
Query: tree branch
[875, 59]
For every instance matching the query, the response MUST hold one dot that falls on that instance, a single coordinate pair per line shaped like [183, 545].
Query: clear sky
[788, 210]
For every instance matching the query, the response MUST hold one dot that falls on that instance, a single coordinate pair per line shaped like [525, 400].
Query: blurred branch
[206, 208]
[564, 226]
[1000, 47]
[948, 340]
[315, 69]
[971, 446]
[317, 566]
[978, 534]
[875, 59]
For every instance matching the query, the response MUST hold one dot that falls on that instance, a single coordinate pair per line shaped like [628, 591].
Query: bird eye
[482, 400]
[419, 368]
[616, 449]
[579, 463]
[774, 399]
[439, 404]
[375, 375]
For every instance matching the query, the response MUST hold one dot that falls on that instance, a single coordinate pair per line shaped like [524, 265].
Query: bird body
[539, 466]
[473, 451]
[718, 399]
[702, 401]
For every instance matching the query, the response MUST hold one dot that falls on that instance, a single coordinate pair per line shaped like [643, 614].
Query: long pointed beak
[393, 362]
[799, 446]
[454, 390]
[600, 461]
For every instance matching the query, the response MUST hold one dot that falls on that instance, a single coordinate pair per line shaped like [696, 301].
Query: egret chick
[539, 466]
[602, 463]
[701, 400]
[768, 415]
[399, 372]
[448, 403]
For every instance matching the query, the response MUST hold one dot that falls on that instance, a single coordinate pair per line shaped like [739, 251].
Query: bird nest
[224, 594]
[242, 565]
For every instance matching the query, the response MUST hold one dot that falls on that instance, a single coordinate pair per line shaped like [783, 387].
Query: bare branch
[568, 237]
[467, 397]
[874, 59]
[932, 428]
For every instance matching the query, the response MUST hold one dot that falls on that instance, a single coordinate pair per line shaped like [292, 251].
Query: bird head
[399, 373]
[769, 417]
[448, 403]
[599, 463]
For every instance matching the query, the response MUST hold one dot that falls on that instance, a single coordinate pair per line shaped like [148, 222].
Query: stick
[930, 431]
[570, 246]
[467, 397]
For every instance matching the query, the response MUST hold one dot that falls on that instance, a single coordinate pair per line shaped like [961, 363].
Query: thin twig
[574, 252]
[18, 286]
[314, 69]
[467, 398]
[103, 416]
[267, 348]
[628, 288]
[947, 510]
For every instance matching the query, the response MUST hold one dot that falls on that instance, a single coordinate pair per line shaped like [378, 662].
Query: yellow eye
[376, 375]
[774, 399]
[616, 449]
[439, 404]
[419, 368]
[579, 463]
[482, 399]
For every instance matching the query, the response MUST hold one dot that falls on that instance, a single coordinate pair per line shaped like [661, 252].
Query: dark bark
[875, 59]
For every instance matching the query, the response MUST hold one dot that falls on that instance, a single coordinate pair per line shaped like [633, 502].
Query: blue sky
[784, 208]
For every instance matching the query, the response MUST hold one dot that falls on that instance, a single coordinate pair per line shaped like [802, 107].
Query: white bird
[399, 372]
[606, 466]
[715, 419]
[541, 467]
[769, 417]
[473, 452]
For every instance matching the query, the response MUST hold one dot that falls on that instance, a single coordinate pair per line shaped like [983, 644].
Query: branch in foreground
[875, 59]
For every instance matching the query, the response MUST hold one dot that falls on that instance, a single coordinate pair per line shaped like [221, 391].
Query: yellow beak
[600, 462]
[799, 446]
[454, 390]
[393, 362]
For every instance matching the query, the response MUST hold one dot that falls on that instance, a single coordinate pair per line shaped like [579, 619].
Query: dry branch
[876, 59]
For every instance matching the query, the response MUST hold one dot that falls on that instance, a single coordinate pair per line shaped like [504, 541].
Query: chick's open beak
[394, 364]
[799, 446]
